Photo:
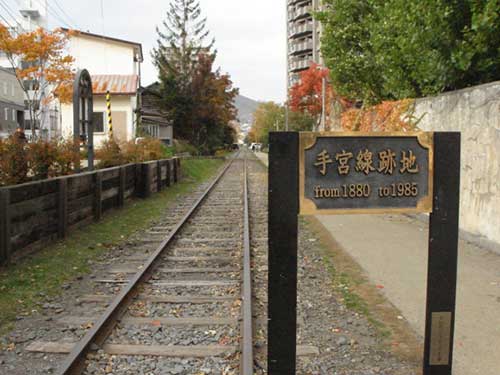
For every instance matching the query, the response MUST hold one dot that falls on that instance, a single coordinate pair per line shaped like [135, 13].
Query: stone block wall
[475, 112]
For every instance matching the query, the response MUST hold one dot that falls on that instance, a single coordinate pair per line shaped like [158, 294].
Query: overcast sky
[250, 35]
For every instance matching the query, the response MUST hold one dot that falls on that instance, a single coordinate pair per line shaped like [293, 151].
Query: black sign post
[335, 173]
[83, 107]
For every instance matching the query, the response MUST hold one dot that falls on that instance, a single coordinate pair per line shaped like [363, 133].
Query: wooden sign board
[365, 173]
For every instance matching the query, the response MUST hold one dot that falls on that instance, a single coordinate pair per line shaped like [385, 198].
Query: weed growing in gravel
[346, 283]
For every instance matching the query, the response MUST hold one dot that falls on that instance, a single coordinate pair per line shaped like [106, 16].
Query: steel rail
[75, 361]
[247, 336]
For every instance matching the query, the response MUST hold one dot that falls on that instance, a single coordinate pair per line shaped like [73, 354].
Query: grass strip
[25, 285]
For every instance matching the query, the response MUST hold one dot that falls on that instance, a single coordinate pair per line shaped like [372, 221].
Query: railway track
[186, 308]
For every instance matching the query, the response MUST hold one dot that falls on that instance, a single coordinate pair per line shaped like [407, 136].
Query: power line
[6, 22]
[8, 10]
[54, 13]
[65, 14]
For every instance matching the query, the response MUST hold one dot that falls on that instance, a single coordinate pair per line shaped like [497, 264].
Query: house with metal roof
[115, 66]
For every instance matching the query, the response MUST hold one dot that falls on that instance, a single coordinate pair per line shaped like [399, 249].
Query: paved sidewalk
[393, 252]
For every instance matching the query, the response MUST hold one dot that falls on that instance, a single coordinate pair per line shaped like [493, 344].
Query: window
[5, 88]
[13, 89]
[98, 120]
[14, 115]
[6, 110]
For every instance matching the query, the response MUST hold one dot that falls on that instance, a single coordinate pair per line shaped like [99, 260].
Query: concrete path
[393, 252]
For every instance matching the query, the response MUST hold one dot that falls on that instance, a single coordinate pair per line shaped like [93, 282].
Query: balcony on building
[301, 30]
[301, 47]
[27, 9]
[300, 2]
[299, 64]
[302, 12]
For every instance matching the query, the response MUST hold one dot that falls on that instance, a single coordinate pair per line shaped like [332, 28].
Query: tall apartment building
[303, 37]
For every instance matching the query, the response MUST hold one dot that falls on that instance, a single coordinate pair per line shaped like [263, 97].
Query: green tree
[270, 116]
[198, 98]
[393, 49]
[181, 42]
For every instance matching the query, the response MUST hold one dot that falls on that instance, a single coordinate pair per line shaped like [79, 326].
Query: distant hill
[246, 108]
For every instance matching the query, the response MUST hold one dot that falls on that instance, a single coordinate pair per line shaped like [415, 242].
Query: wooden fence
[35, 213]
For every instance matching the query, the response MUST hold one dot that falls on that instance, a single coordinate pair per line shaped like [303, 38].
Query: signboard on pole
[359, 173]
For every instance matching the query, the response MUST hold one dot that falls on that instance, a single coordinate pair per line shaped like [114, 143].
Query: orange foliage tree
[307, 95]
[42, 68]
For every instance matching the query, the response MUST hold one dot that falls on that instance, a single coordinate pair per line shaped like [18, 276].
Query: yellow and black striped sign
[108, 106]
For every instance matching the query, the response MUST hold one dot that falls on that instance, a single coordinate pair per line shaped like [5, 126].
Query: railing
[35, 213]
[151, 130]
[299, 65]
[301, 47]
[301, 29]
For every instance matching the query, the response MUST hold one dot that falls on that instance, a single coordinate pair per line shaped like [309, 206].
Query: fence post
[138, 180]
[97, 196]
[146, 180]
[121, 187]
[62, 208]
[176, 170]
[169, 172]
[5, 248]
[158, 176]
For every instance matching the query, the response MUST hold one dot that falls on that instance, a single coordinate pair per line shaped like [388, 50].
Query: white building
[303, 38]
[33, 15]
[114, 65]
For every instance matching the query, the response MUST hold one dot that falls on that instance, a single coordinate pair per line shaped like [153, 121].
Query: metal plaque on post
[365, 172]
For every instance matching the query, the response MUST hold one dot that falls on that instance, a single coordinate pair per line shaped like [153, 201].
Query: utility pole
[286, 115]
[323, 104]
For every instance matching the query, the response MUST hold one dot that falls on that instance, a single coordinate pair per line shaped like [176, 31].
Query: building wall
[125, 104]
[102, 56]
[167, 134]
[10, 90]
[476, 113]
[12, 100]
[304, 46]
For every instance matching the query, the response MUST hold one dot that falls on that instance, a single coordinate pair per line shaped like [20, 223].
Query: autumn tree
[213, 106]
[42, 68]
[306, 96]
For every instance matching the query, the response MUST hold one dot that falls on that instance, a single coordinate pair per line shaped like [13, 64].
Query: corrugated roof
[116, 84]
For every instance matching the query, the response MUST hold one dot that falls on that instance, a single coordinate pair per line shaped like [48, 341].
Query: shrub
[66, 157]
[42, 158]
[109, 154]
[183, 147]
[13, 161]
[145, 149]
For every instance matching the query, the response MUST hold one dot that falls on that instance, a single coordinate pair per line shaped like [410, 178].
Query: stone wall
[475, 112]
